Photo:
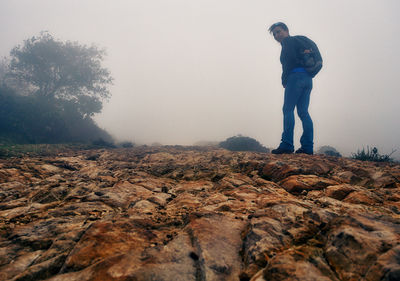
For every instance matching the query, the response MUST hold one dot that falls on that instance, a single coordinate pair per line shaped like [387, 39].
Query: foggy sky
[205, 70]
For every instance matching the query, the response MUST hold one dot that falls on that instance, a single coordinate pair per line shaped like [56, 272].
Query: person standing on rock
[301, 61]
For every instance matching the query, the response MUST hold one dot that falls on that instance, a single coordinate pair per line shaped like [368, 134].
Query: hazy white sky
[192, 70]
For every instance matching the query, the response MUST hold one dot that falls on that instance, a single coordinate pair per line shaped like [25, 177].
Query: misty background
[200, 70]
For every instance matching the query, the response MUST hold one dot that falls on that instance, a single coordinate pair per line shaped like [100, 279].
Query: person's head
[279, 30]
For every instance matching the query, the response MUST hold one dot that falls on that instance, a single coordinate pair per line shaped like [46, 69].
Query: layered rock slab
[191, 213]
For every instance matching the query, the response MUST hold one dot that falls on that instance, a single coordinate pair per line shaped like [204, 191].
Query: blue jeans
[297, 94]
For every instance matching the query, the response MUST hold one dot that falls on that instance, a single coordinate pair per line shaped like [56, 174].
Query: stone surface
[196, 213]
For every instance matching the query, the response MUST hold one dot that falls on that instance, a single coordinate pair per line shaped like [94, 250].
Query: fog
[200, 70]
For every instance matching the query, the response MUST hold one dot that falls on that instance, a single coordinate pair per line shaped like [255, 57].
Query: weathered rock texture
[176, 213]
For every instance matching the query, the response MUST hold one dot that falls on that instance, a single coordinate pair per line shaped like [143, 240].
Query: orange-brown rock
[195, 213]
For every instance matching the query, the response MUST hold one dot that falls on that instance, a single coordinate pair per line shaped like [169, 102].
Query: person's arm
[288, 58]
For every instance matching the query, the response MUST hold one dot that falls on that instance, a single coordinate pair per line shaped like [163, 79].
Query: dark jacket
[291, 48]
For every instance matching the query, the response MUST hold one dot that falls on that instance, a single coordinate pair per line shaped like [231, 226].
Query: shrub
[241, 143]
[329, 150]
[3, 153]
[102, 143]
[372, 155]
[20, 150]
[126, 144]
[32, 120]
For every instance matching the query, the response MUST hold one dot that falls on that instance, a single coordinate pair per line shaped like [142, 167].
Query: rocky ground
[182, 213]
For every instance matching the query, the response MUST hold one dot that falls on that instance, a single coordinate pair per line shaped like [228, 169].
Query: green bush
[241, 143]
[20, 150]
[3, 153]
[103, 144]
[31, 120]
[126, 144]
[372, 155]
[329, 150]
